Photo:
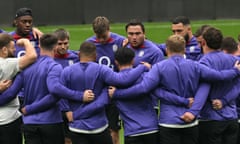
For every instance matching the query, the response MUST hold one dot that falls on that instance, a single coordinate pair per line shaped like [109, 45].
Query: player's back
[220, 61]
[81, 76]
[36, 87]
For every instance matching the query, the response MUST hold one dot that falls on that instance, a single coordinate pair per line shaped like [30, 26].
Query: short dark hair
[62, 34]
[5, 39]
[100, 25]
[23, 12]
[213, 38]
[229, 45]
[124, 55]
[135, 22]
[199, 32]
[48, 42]
[181, 19]
[87, 49]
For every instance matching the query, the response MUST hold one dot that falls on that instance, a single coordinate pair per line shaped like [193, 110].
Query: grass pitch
[157, 32]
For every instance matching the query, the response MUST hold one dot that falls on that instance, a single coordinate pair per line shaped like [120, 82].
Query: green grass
[156, 31]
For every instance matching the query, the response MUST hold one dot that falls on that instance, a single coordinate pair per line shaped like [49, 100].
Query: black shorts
[11, 133]
[99, 138]
[114, 120]
[43, 133]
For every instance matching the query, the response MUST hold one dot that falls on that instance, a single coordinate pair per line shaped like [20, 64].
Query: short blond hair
[176, 44]
[100, 25]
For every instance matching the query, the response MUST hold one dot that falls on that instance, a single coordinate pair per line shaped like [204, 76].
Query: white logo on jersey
[114, 47]
[141, 53]
[104, 60]
[192, 49]
[21, 53]
[70, 62]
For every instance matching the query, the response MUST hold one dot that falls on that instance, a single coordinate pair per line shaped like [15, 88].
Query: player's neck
[84, 60]
[122, 67]
[208, 50]
[169, 54]
[22, 34]
[47, 53]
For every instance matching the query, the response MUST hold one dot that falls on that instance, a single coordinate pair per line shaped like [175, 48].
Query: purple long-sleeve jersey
[224, 91]
[147, 52]
[20, 51]
[238, 98]
[65, 60]
[95, 77]
[105, 52]
[193, 49]
[138, 114]
[178, 76]
[39, 80]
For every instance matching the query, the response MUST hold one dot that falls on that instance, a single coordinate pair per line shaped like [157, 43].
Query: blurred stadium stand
[56, 12]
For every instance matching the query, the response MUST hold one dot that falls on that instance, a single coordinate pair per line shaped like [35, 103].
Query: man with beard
[145, 50]
[10, 117]
[181, 26]
[177, 75]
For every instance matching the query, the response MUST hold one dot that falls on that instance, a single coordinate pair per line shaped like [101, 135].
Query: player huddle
[184, 91]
